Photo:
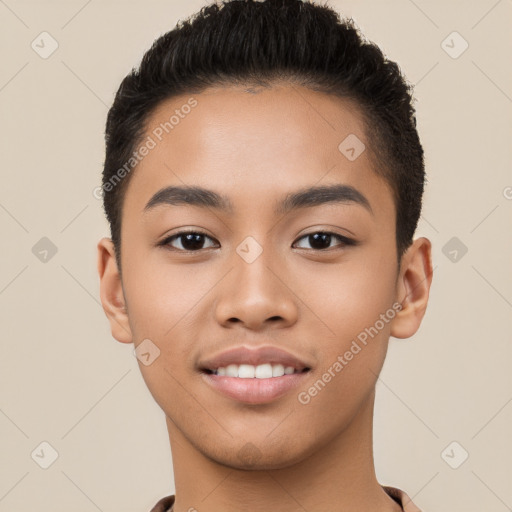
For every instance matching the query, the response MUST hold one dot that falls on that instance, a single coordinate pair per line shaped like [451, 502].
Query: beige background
[66, 381]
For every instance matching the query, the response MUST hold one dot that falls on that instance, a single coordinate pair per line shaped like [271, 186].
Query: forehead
[254, 143]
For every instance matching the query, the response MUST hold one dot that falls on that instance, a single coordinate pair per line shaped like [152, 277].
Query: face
[309, 274]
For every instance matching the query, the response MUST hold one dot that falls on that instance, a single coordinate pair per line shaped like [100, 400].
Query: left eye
[322, 240]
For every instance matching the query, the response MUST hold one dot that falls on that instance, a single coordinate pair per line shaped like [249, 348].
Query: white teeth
[277, 370]
[249, 371]
[263, 371]
[246, 371]
[232, 370]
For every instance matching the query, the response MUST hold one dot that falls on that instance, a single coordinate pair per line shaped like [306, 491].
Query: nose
[256, 294]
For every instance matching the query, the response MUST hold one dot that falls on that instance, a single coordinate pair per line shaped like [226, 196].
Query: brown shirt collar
[166, 504]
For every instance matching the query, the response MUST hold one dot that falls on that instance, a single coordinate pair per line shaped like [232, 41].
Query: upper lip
[253, 356]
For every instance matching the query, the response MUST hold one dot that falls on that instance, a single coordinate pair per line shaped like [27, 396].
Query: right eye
[188, 241]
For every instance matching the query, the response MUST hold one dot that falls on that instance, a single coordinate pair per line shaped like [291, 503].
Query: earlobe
[413, 287]
[111, 292]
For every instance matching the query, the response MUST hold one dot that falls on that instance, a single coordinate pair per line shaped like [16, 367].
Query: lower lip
[254, 391]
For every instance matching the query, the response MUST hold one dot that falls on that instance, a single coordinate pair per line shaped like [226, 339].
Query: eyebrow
[303, 198]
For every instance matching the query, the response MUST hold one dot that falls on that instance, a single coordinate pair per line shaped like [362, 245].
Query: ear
[111, 292]
[413, 287]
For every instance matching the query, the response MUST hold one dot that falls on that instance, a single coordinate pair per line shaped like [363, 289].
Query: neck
[338, 477]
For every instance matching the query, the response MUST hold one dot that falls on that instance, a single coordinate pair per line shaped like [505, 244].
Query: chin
[249, 457]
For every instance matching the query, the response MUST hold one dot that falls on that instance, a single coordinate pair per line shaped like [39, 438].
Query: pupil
[322, 237]
[192, 241]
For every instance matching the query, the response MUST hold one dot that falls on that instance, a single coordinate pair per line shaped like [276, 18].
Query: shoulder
[401, 498]
[164, 505]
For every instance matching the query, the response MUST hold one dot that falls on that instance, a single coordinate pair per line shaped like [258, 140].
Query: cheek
[161, 304]
[162, 296]
[349, 297]
[351, 362]
[355, 304]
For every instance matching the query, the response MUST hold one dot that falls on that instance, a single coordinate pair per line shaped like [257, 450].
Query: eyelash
[166, 242]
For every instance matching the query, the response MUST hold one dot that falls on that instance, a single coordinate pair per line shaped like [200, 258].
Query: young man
[263, 181]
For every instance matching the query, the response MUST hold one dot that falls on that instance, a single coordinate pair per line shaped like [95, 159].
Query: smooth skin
[256, 147]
